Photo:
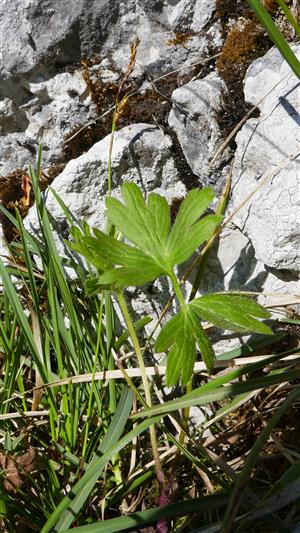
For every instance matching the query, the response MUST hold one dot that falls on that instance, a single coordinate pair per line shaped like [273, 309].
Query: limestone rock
[48, 33]
[56, 106]
[194, 119]
[157, 25]
[233, 266]
[16, 152]
[189, 14]
[141, 153]
[12, 119]
[43, 100]
[263, 145]
[59, 104]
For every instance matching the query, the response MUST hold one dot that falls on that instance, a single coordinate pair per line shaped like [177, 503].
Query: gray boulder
[191, 14]
[44, 34]
[141, 153]
[41, 99]
[259, 250]
[160, 31]
[194, 119]
[56, 107]
[264, 144]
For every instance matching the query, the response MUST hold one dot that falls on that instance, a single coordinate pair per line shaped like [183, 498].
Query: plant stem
[177, 289]
[220, 210]
[138, 351]
[189, 387]
[112, 138]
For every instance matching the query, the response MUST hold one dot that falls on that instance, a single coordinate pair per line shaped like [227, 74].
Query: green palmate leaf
[81, 247]
[117, 252]
[118, 278]
[236, 313]
[194, 236]
[135, 220]
[159, 207]
[181, 335]
[148, 225]
[192, 207]
[204, 344]
[182, 355]
[157, 248]
[113, 252]
[105, 252]
[166, 336]
[184, 332]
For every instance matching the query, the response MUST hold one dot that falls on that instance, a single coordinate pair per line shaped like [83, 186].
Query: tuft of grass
[86, 466]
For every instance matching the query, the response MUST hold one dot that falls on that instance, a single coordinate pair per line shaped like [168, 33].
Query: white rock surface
[59, 104]
[157, 53]
[234, 266]
[193, 117]
[16, 153]
[55, 32]
[194, 14]
[141, 154]
[271, 218]
[43, 38]
[56, 106]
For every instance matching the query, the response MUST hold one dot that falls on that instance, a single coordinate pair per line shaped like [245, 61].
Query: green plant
[59, 396]
[157, 249]
[52, 329]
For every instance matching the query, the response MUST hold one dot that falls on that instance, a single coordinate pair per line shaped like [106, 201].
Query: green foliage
[157, 249]
[184, 331]
[89, 430]
[93, 456]
[141, 518]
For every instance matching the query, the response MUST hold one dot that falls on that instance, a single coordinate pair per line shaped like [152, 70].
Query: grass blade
[198, 397]
[69, 507]
[241, 482]
[143, 518]
[276, 36]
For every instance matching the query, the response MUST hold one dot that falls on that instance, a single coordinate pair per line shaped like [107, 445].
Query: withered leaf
[16, 467]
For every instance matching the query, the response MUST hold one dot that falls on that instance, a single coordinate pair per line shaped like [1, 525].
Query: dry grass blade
[154, 371]
[38, 392]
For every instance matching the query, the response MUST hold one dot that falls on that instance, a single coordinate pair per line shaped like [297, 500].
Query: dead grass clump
[16, 193]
